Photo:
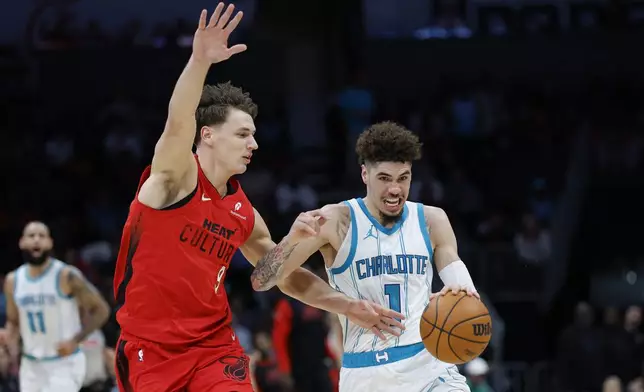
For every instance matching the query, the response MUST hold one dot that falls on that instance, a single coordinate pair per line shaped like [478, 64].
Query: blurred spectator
[426, 187]
[635, 353]
[476, 372]
[357, 106]
[579, 353]
[243, 335]
[618, 346]
[99, 373]
[294, 195]
[8, 374]
[300, 340]
[612, 384]
[532, 243]
[266, 375]
[494, 228]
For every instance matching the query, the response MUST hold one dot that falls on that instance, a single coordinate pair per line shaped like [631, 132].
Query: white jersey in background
[392, 267]
[47, 317]
[94, 349]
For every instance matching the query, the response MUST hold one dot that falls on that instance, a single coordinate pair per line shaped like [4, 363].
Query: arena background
[531, 113]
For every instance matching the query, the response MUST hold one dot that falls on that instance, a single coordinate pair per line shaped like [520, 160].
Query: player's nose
[252, 144]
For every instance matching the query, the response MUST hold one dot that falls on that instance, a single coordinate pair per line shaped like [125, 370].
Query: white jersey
[94, 348]
[389, 266]
[47, 316]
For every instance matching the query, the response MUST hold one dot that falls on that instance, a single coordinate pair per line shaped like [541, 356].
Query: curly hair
[216, 101]
[388, 142]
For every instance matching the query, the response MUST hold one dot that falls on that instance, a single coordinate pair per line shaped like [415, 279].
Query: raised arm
[174, 170]
[305, 286]
[451, 268]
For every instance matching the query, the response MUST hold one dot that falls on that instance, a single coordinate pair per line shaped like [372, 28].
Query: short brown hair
[215, 103]
[388, 142]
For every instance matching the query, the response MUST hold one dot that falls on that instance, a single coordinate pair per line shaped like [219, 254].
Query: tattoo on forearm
[268, 268]
[90, 300]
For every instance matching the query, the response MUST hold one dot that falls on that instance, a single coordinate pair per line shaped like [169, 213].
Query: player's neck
[375, 212]
[35, 271]
[215, 175]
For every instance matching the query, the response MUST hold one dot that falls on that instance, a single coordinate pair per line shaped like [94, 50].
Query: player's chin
[241, 169]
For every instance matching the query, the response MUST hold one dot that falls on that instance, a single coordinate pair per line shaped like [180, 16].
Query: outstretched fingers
[234, 23]
[215, 15]
[221, 23]
[202, 19]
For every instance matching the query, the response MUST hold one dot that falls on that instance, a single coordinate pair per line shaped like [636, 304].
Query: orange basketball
[456, 328]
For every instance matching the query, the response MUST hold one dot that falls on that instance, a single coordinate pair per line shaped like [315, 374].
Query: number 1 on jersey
[393, 292]
[36, 322]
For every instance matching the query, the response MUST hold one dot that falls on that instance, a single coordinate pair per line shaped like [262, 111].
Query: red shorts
[143, 366]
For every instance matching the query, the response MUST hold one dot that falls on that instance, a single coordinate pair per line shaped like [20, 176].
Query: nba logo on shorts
[237, 206]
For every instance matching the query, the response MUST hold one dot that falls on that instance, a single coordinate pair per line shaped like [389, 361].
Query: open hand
[454, 290]
[210, 43]
[377, 318]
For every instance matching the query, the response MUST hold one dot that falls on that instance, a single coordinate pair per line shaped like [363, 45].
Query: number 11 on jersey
[392, 291]
[36, 322]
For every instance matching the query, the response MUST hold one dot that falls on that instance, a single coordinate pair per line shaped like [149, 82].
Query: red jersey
[169, 278]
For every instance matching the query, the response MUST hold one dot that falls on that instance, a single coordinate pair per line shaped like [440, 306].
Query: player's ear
[206, 135]
[364, 173]
[21, 242]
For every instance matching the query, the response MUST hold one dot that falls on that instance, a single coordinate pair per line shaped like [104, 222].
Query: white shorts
[407, 368]
[53, 375]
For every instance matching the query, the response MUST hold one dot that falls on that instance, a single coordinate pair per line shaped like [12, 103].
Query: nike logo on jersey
[391, 265]
[233, 336]
[205, 198]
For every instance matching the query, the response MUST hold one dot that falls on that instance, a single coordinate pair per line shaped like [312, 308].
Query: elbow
[259, 285]
[264, 279]
[104, 312]
[256, 284]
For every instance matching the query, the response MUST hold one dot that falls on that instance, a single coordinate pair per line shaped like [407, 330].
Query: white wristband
[456, 274]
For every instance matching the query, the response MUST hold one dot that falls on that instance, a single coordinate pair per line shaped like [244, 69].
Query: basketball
[456, 328]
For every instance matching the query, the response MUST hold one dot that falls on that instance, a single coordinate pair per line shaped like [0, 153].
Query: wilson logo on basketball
[482, 329]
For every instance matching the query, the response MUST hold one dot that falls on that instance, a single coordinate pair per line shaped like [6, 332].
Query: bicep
[11, 307]
[173, 151]
[442, 236]
[173, 168]
[259, 243]
[254, 249]
[88, 296]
